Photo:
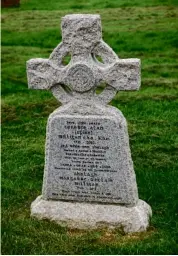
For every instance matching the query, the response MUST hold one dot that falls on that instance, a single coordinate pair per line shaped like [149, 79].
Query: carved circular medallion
[80, 78]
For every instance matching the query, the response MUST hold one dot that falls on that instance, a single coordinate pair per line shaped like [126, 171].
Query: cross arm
[123, 75]
[43, 74]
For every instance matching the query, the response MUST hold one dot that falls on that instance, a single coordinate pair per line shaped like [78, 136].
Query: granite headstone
[89, 180]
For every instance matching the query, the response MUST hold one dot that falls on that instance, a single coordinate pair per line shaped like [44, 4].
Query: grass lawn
[133, 28]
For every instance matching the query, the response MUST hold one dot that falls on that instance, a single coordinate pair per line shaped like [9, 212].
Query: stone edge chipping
[92, 216]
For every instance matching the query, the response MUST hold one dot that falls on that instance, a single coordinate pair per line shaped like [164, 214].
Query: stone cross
[89, 180]
[82, 39]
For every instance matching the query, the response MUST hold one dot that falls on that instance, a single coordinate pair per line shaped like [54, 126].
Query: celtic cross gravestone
[89, 180]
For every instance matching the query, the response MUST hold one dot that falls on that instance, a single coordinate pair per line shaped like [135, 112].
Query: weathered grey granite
[81, 38]
[87, 156]
[92, 216]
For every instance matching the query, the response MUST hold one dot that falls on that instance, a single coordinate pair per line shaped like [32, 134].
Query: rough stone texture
[88, 156]
[92, 216]
[81, 38]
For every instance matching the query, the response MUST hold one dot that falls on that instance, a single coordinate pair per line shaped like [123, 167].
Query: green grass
[137, 28]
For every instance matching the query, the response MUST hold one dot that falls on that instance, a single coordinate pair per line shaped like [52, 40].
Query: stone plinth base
[92, 215]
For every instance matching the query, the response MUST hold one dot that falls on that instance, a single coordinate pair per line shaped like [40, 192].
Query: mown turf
[137, 28]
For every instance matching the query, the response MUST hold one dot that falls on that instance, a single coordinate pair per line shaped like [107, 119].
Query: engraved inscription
[82, 155]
